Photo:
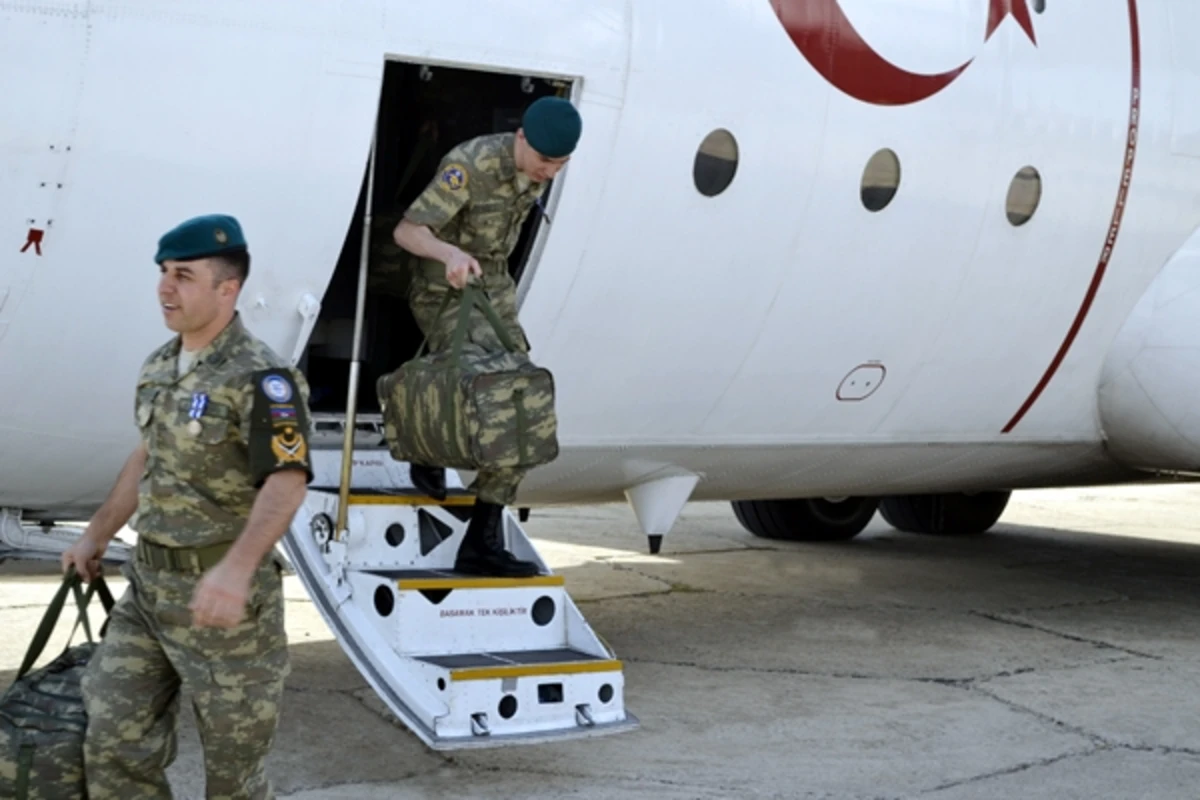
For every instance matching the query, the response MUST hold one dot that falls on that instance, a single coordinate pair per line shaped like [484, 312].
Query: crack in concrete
[638, 778]
[1096, 739]
[830, 605]
[1074, 604]
[334, 784]
[1161, 749]
[585, 601]
[815, 602]
[1026, 765]
[672, 586]
[959, 683]
[1072, 637]
[1101, 748]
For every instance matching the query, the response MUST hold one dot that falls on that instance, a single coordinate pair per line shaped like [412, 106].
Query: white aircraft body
[688, 334]
[815, 257]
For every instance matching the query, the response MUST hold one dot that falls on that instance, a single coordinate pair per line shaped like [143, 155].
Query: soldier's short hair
[231, 264]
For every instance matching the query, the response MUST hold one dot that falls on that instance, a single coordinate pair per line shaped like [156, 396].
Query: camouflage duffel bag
[42, 717]
[467, 408]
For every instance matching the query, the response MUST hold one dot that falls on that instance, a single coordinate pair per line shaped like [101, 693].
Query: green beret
[552, 126]
[201, 237]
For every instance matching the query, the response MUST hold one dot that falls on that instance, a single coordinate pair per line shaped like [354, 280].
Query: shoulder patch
[277, 387]
[279, 422]
[454, 177]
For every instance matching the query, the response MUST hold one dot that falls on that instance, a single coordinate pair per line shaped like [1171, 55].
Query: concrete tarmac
[1055, 657]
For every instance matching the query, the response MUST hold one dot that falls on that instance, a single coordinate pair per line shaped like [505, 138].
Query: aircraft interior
[424, 111]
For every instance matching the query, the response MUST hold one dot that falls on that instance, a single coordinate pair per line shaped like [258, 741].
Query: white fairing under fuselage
[715, 335]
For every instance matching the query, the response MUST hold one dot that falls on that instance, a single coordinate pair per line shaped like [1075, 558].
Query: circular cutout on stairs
[385, 599]
[606, 693]
[543, 611]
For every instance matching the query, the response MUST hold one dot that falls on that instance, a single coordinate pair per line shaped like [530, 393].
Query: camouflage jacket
[478, 200]
[213, 435]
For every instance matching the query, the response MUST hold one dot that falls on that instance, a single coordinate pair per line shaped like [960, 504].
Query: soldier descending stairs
[442, 603]
[463, 227]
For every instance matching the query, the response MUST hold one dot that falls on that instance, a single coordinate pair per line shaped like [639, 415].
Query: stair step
[419, 580]
[523, 692]
[405, 532]
[423, 615]
[520, 664]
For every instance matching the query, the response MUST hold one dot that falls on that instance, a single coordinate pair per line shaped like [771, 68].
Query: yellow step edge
[531, 670]
[420, 584]
[409, 500]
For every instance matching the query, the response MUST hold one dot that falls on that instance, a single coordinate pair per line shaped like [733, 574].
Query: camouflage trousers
[426, 295]
[151, 652]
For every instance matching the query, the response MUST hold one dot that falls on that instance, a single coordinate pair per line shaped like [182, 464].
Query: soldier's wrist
[96, 537]
[238, 562]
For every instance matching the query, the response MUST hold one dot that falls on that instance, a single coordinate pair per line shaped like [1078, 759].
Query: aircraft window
[1039, 6]
[880, 180]
[1024, 194]
[716, 163]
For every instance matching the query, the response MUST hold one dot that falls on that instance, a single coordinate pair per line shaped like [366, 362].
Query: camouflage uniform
[194, 500]
[478, 202]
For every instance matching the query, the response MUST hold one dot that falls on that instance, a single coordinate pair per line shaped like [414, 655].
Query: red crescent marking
[827, 38]
[1114, 228]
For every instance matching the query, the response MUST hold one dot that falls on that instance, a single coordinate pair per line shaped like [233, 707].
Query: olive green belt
[181, 559]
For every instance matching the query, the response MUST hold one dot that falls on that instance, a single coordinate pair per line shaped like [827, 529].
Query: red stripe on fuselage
[1114, 229]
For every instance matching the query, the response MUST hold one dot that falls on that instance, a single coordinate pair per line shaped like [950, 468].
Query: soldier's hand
[220, 598]
[84, 555]
[459, 267]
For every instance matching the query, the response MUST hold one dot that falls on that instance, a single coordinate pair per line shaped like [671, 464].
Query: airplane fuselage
[777, 339]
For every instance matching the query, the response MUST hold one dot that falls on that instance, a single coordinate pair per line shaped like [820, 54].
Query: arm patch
[279, 424]
[445, 195]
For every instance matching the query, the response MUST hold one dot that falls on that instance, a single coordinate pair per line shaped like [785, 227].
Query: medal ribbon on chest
[199, 404]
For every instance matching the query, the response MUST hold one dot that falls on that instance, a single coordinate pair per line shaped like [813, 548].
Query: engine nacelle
[1149, 393]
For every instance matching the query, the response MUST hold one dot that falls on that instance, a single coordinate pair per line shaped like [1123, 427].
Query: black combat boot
[430, 481]
[482, 551]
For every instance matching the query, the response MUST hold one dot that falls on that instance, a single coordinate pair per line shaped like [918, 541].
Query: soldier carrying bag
[42, 717]
[467, 408]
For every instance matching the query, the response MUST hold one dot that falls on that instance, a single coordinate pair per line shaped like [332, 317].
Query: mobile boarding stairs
[462, 661]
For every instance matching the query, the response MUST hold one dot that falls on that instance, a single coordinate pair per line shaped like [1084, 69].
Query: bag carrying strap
[71, 584]
[472, 295]
[24, 769]
[99, 587]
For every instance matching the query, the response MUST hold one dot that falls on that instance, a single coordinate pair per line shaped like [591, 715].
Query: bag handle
[484, 305]
[99, 587]
[70, 584]
[472, 295]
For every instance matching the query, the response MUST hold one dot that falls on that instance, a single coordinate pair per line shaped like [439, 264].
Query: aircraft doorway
[424, 112]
